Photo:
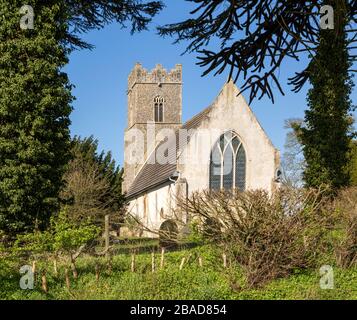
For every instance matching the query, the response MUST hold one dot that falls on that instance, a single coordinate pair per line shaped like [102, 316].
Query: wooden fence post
[162, 257]
[153, 262]
[200, 263]
[44, 282]
[182, 263]
[68, 282]
[55, 268]
[224, 256]
[34, 270]
[96, 272]
[133, 262]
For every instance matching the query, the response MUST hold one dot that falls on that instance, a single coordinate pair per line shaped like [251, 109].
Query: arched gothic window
[228, 163]
[159, 109]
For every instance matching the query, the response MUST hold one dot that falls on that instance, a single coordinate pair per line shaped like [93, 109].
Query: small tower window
[159, 109]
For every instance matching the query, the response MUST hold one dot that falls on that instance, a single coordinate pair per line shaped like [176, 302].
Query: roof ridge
[197, 116]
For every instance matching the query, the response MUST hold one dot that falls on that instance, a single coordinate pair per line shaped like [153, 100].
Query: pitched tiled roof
[153, 174]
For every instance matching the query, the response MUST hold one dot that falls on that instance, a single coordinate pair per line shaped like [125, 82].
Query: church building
[222, 147]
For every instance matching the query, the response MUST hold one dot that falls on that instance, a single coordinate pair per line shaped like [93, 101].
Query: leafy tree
[37, 244]
[35, 99]
[69, 237]
[61, 237]
[93, 184]
[326, 136]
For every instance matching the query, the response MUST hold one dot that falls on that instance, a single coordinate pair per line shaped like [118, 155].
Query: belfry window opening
[159, 109]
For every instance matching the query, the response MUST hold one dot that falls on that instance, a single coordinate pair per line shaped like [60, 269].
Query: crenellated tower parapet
[157, 75]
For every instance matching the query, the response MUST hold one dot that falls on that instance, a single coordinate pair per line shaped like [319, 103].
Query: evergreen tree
[35, 106]
[326, 135]
[87, 150]
[35, 99]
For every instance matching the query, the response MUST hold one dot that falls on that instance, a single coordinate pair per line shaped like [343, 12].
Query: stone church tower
[154, 101]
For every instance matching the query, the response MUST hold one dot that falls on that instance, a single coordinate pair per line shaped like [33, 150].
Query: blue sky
[100, 77]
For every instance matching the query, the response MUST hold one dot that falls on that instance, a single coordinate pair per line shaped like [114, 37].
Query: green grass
[211, 281]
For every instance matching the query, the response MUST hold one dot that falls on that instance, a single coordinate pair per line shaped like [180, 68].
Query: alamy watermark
[166, 146]
[28, 278]
[27, 21]
[327, 17]
[327, 278]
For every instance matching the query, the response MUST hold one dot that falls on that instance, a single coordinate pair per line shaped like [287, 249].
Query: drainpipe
[175, 178]
[186, 199]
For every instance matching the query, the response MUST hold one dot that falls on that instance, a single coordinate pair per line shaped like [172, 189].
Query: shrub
[37, 243]
[62, 236]
[69, 236]
[345, 244]
[270, 236]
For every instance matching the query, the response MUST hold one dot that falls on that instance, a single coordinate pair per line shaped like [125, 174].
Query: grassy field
[209, 281]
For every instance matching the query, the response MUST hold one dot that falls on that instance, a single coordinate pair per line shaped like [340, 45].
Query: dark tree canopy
[326, 138]
[35, 102]
[255, 37]
[84, 15]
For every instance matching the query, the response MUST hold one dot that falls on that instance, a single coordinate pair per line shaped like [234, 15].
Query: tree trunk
[74, 268]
